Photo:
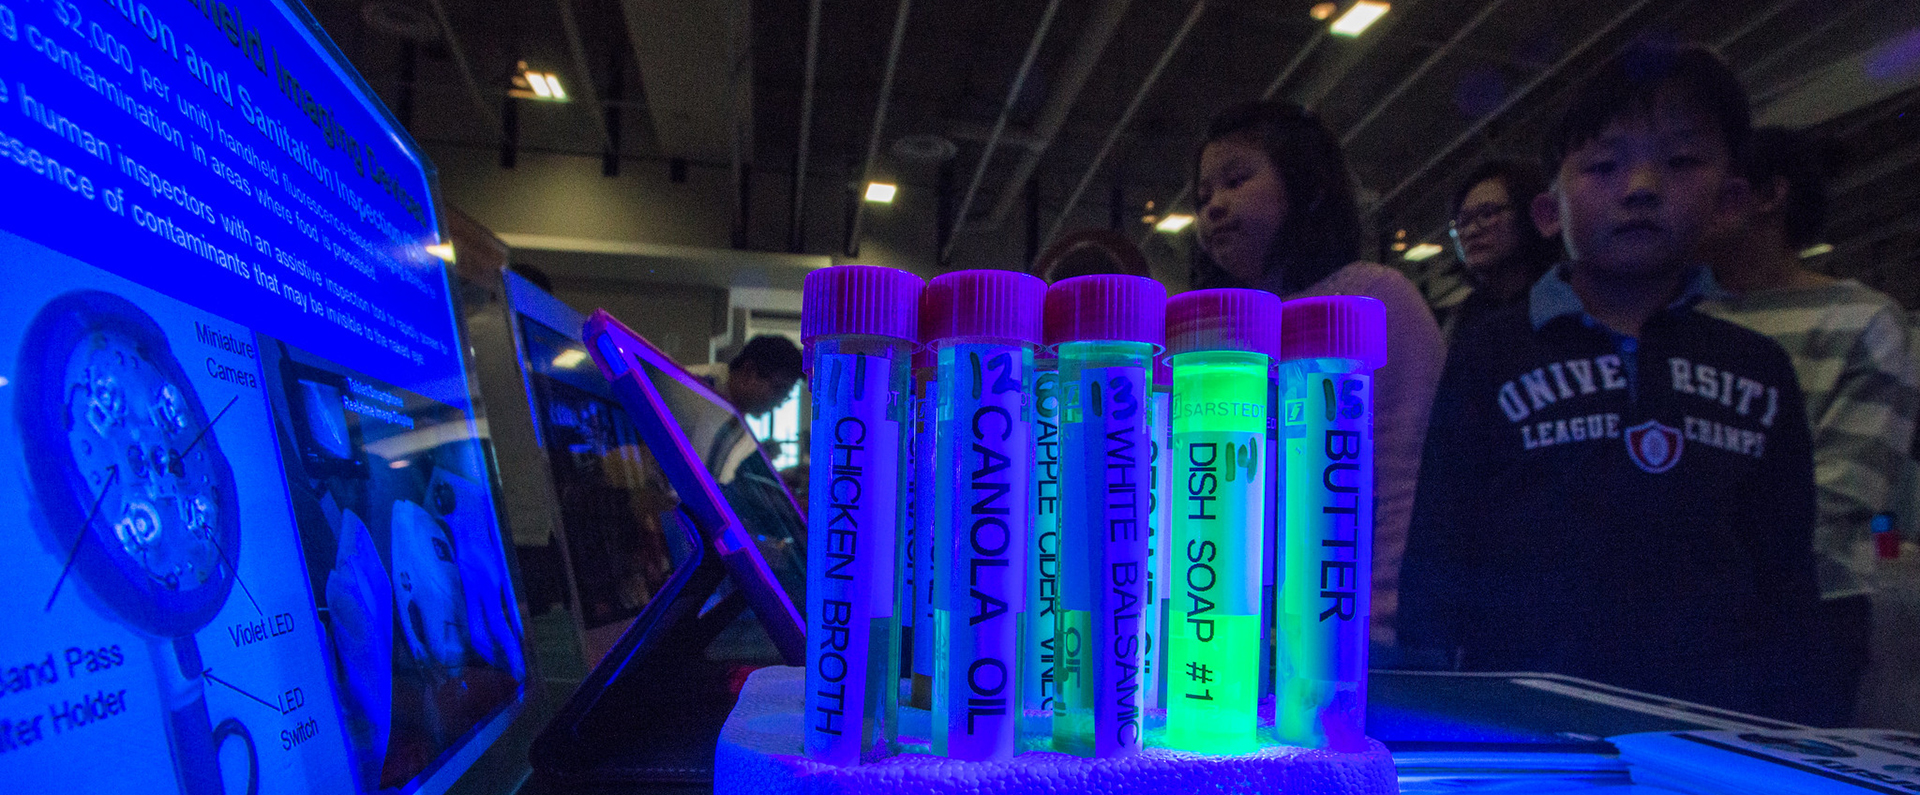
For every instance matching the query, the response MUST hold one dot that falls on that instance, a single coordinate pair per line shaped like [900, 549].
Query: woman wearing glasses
[1504, 253]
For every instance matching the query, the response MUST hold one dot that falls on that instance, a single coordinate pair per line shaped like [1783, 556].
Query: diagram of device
[139, 498]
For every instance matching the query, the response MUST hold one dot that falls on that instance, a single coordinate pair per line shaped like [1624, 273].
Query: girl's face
[1241, 205]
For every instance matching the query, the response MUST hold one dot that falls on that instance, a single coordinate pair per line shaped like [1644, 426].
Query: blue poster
[219, 153]
[250, 541]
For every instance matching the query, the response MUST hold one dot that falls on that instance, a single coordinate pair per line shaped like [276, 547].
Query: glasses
[1479, 215]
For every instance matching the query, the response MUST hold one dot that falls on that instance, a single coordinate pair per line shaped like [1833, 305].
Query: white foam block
[759, 754]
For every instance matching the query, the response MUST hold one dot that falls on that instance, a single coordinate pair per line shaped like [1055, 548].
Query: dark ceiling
[1428, 92]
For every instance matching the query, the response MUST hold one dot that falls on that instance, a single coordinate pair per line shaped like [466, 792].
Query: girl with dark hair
[1493, 232]
[1275, 211]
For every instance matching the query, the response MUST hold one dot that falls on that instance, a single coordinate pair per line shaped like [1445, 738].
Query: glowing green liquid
[1219, 507]
[1226, 670]
[1323, 615]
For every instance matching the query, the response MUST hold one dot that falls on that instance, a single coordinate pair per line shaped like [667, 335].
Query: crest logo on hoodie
[1654, 447]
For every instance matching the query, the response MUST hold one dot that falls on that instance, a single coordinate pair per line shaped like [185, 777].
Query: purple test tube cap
[857, 299]
[1106, 307]
[984, 303]
[860, 299]
[1224, 319]
[1335, 327]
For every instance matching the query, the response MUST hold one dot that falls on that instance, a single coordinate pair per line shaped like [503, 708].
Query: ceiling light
[569, 358]
[442, 250]
[881, 192]
[1422, 251]
[532, 84]
[1816, 250]
[1359, 17]
[1174, 222]
[1323, 11]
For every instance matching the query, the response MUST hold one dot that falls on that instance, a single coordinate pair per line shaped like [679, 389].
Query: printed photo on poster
[404, 557]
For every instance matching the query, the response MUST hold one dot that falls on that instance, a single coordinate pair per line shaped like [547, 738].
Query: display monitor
[618, 511]
[252, 543]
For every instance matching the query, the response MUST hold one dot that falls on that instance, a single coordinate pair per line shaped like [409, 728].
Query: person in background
[1848, 345]
[1501, 250]
[761, 376]
[1615, 485]
[1275, 211]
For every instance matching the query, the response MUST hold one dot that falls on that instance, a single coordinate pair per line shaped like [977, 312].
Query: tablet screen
[618, 511]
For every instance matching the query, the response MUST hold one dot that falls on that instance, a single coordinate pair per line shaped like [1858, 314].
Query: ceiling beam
[459, 54]
[1823, 92]
[1420, 71]
[1781, 53]
[1753, 23]
[1895, 162]
[1299, 59]
[1126, 117]
[585, 90]
[1071, 81]
[696, 70]
[999, 126]
[1529, 115]
[798, 194]
[852, 247]
[1512, 100]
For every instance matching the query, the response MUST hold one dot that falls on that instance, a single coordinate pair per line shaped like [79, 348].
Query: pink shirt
[1403, 394]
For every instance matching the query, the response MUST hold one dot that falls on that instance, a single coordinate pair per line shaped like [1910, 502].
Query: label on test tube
[1327, 587]
[1038, 686]
[908, 596]
[986, 448]
[1213, 689]
[921, 555]
[1158, 537]
[1105, 603]
[853, 438]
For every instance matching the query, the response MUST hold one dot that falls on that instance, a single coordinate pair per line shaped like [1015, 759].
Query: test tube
[1329, 349]
[921, 549]
[1160, 535]
[862, 343]
[984, 344]
[1109, 327]
[1220, 343]
[1038, 653]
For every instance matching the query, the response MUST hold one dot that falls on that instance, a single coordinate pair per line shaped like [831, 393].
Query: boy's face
[1635, 200]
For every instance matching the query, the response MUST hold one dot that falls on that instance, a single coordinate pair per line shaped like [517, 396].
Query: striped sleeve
[1850, 352]
[1860, 439]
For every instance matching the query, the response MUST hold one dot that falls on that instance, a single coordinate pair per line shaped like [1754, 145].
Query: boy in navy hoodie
[1614, 485]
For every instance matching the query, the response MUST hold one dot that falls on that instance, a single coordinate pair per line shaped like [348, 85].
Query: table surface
[1476, 733]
